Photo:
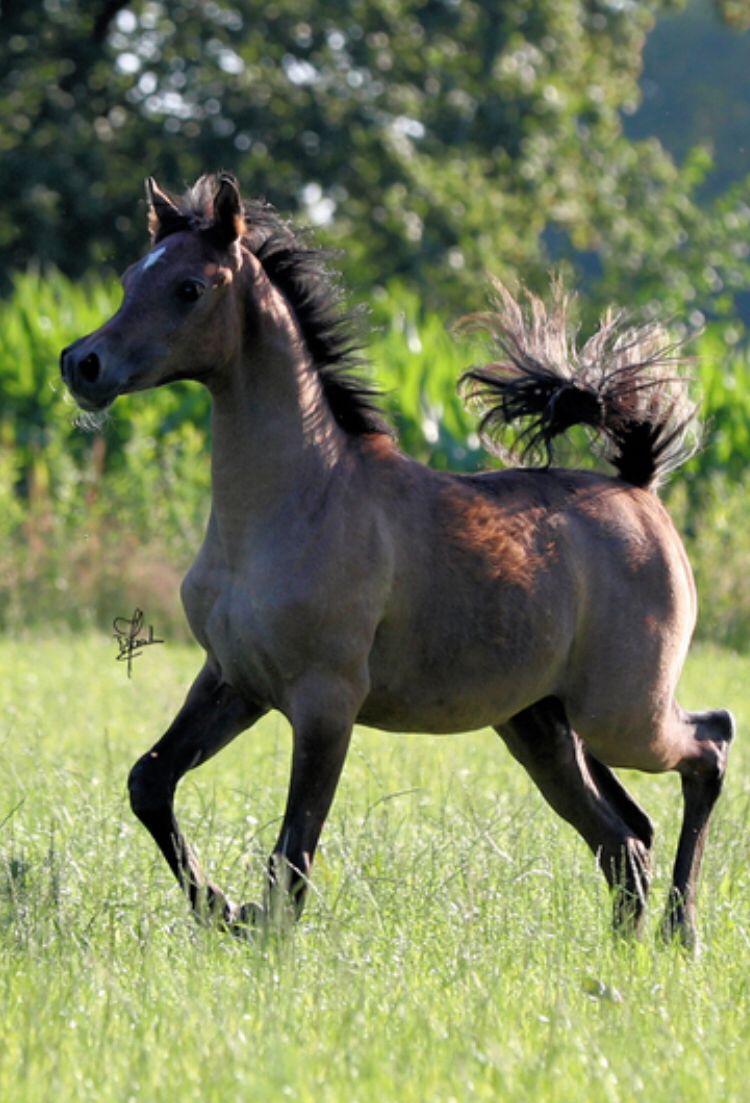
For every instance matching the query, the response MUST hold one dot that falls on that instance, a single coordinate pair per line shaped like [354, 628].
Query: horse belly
[437, 713]
[463, 682]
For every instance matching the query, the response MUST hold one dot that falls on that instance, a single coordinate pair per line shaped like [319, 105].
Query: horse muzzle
[92, 384]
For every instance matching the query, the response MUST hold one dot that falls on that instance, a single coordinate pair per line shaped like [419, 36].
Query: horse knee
[614, 791]
[147, 786]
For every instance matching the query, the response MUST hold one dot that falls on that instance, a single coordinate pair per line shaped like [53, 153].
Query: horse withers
[340, 581]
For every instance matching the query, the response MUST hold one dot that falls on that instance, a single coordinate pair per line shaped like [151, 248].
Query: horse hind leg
[617, 794]
[702, 771]
[612, 789]
[586, 794]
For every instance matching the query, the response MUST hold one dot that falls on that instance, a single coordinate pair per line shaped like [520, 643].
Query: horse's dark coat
[341, 581]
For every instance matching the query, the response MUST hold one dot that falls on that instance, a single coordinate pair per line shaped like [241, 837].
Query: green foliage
[723, 389]
[735, 13]
[42, 316]
[455, 944]
[713, 524]
[417, 363]
[433, 141]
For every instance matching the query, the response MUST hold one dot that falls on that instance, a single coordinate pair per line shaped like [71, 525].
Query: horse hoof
[247, 920]
[675, 930]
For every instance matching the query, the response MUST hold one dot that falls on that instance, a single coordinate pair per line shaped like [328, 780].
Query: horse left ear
[161, 210]
[228, 224]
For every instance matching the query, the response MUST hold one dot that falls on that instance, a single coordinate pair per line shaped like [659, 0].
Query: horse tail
[622, 385]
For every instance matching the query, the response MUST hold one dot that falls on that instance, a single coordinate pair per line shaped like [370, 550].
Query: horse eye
[190, 290]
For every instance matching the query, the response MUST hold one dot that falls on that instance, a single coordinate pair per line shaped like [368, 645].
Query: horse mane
[622, 385]
[299, 270]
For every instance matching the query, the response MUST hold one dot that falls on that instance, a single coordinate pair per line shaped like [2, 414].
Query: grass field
[455, 946]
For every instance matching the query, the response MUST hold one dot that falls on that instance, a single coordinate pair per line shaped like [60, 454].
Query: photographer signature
[130, 641]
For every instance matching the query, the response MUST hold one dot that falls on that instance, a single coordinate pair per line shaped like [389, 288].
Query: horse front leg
[213, 714]
[322, 720]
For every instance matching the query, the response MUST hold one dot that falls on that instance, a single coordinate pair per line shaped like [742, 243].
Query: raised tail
[622, 384]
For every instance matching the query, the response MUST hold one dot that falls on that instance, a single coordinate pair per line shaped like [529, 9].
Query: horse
[342, 582]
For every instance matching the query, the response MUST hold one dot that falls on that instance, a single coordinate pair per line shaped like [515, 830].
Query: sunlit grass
[455, 946]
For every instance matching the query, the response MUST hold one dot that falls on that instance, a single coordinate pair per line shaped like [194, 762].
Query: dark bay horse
[341, 582]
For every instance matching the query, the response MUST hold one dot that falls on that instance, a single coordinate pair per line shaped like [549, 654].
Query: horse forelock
[300, 271]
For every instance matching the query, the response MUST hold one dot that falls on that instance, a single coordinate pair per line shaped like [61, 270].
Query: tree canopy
[432, 140]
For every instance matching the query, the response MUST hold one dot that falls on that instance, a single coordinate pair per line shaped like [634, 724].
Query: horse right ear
[229, 223]
[161, 210]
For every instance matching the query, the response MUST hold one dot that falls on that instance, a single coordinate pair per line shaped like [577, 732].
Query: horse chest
[260, 629]
[221, 617]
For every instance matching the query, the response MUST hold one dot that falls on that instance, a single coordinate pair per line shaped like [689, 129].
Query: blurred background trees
[433, 140]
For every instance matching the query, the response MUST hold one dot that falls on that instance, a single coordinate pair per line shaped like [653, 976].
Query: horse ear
[228, 224]
[161, 209]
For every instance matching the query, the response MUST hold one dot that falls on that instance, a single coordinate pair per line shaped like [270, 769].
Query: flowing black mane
[299, 270]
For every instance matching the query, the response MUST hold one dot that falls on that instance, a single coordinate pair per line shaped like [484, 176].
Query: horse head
[179, 318]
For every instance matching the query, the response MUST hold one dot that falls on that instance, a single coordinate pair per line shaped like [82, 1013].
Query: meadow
[455, 946]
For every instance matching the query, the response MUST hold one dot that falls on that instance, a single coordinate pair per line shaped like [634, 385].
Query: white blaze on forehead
[153, 257]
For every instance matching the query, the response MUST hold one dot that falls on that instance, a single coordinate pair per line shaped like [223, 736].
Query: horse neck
[275, 440]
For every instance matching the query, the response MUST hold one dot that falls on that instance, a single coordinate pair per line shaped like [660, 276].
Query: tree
[686, 104]
[432, 139]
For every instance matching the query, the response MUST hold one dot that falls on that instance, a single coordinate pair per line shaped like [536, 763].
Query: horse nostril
[89, 368]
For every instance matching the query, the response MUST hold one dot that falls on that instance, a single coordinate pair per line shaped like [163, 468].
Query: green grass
[455, 946]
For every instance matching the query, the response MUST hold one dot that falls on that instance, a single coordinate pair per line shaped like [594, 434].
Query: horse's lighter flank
[340, 581]
[153, 257]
